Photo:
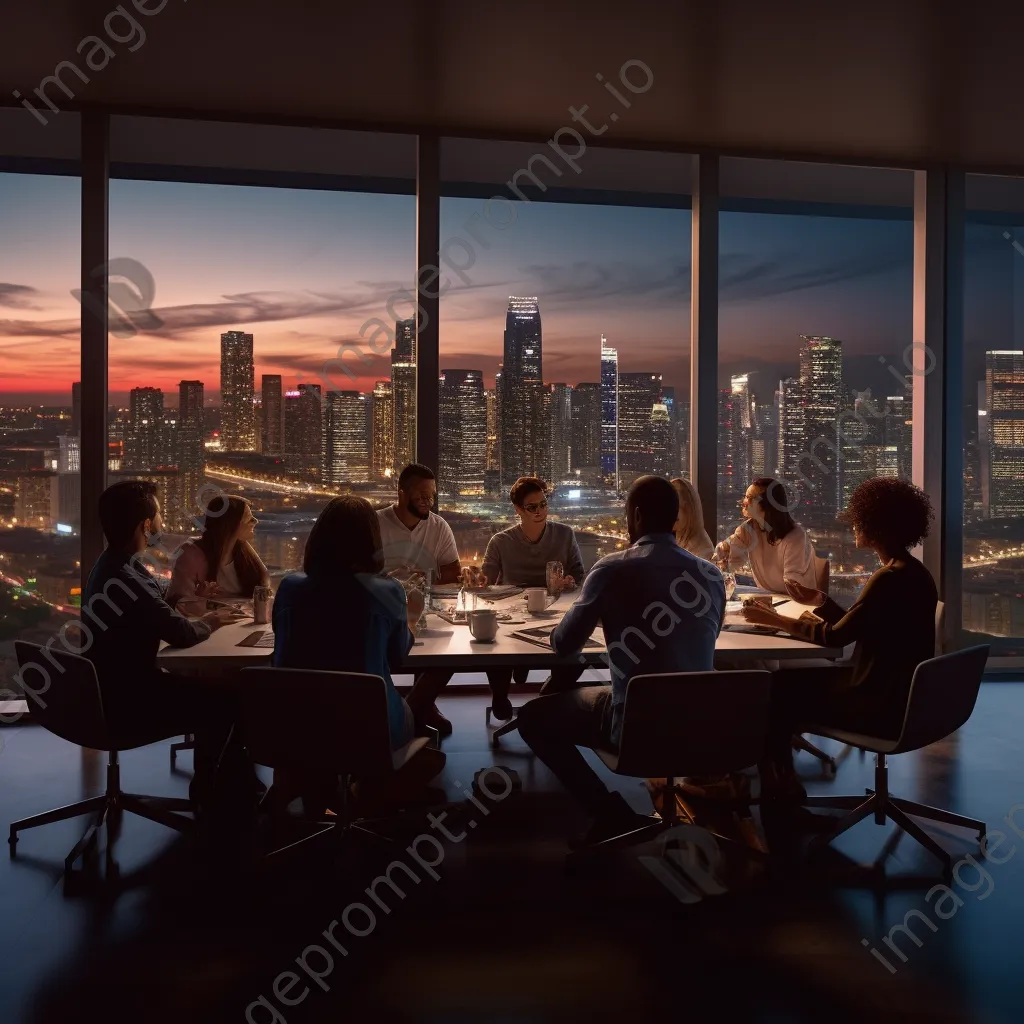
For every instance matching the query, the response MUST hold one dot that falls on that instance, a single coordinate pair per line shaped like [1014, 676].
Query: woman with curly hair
[892, 624]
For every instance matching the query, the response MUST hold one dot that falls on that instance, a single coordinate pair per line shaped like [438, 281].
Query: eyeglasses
[535, 506]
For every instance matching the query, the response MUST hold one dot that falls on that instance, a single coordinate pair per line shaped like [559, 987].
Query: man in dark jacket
[124, 620]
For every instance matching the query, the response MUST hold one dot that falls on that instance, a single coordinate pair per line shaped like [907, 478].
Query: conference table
[440, 644]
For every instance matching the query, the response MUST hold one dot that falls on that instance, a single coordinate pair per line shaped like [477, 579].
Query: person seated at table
[519, 556]
[662, 610]
[125, 617]
[416, 540]
[689, 527]
[891, 624]
[777, 548]
[341, 613]
[220, 563]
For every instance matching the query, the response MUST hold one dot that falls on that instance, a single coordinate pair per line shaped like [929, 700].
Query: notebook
[261, 638]
[541, 636]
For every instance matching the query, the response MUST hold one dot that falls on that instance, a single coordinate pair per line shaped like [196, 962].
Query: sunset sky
[302, 270]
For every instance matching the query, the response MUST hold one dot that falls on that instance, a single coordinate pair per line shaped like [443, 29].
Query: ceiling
[902, 82]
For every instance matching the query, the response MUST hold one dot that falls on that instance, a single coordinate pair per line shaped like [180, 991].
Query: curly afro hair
[890, 512]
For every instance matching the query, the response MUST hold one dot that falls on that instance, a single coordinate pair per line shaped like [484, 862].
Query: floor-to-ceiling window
[815, 336]
[269, 272]
[564, 333]
[40, 370]
[993, 397]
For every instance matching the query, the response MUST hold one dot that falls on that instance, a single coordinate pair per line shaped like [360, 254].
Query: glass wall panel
[40, 370]
[993, 395]
[815, 332]
[564, 334]
[268, 275]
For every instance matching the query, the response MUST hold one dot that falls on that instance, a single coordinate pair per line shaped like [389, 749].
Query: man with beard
[416, 539]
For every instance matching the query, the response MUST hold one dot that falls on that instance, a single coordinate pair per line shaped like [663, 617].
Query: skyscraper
[69, 481]
[347, 452]
[1004, 402]
[742, 429]
[789, 416]
[561, 431]
[145, 440]
[403, 393]
[609, 414]
[661, 440]
[860, 438]
[898, 430]
[668, 398]
[763, 457]
[586, 433]
[492, 457]
[382, 466]
[304, 431]
[190, 454]
[821, 383]
[638, 393]
[273, 414]
[237, 385]
[462, 409]
[730, 485]
[523, 451]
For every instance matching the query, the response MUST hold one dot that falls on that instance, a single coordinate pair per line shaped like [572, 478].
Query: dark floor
[505, 933]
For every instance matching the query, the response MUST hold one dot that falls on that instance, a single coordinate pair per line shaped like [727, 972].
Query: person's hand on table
[567, 583]
[805, 595]
[222, 617]
[758, 615]
[207, 588]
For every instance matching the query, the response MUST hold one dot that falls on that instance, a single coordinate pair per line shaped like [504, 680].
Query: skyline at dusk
[303, 270]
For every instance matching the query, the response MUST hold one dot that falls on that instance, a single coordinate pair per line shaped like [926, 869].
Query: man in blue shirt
[661, 609]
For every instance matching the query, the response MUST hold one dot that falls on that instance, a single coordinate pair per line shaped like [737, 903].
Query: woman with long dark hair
[220, 563]
[777, 548]
[341, 613]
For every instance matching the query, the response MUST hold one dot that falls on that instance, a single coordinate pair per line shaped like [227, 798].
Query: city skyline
[303, 271]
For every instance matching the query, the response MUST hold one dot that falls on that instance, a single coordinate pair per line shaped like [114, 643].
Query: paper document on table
[261, 638]
[541, 636]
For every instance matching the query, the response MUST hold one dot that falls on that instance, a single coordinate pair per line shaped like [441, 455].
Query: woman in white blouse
[777, 549]
[220, 563]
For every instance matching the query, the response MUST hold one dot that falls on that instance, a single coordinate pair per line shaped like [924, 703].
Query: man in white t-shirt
[416, 539]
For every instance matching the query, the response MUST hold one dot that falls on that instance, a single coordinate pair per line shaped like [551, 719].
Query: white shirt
[227, 579]
[428, 545]
[771, 564]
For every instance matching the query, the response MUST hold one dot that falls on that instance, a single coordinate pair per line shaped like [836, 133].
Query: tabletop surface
[441, 644]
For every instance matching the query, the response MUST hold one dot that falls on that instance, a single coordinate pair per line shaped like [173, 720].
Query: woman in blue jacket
[342, 614]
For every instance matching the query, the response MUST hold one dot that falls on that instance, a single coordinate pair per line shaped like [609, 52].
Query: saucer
[475, 641]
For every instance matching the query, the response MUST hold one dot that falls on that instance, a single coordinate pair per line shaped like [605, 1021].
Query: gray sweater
[511, 558]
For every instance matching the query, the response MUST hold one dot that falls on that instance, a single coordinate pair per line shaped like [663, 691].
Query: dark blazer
[892, 624]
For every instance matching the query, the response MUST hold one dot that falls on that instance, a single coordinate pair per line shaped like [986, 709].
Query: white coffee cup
[536, 599]
[483, 623]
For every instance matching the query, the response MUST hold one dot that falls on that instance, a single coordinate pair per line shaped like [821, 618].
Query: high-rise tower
[463, 432]
[403, 393]
[609, 414]
[521, 396]
[237, 384]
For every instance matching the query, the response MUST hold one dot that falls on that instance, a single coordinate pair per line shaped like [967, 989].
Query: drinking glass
[730, 584]
[553, 573]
